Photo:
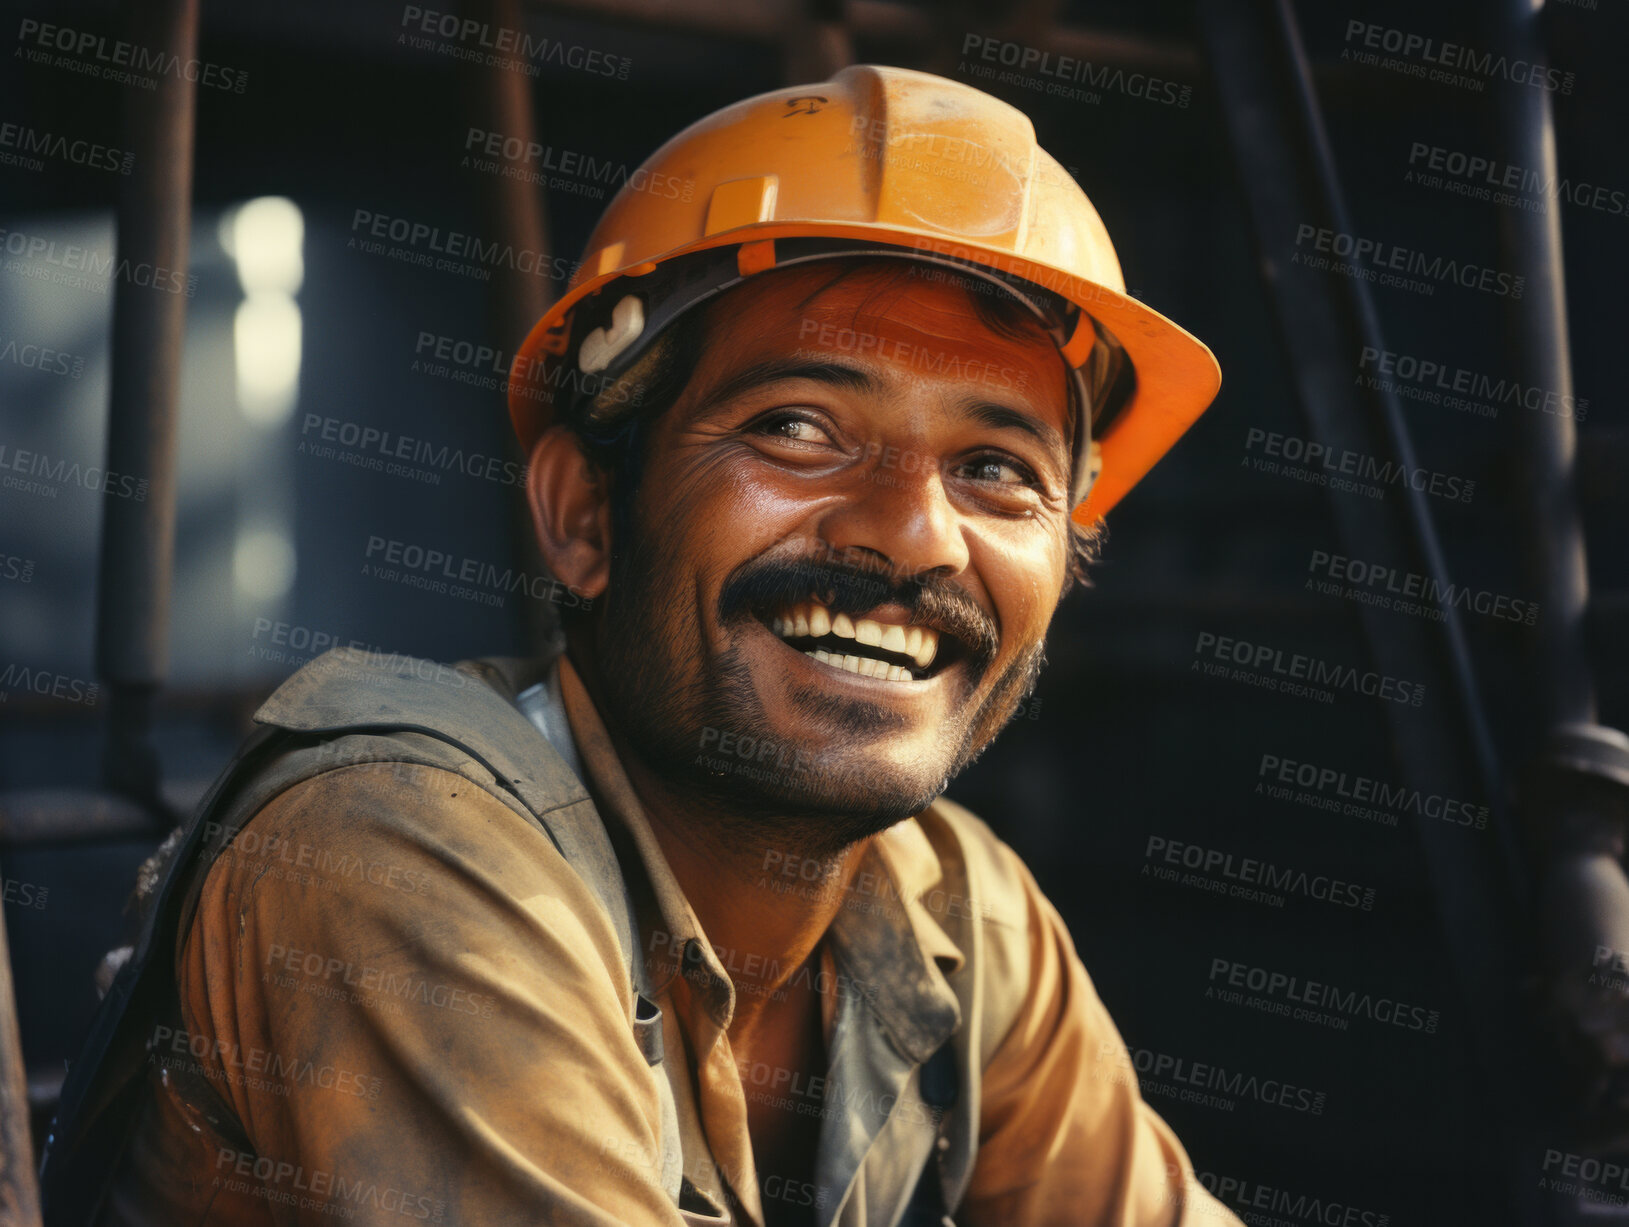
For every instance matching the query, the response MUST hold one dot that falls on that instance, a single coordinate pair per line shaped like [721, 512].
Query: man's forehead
[892, 321]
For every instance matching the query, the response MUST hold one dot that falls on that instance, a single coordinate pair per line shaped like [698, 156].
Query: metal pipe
[499, 99]
[1576, 799]
[932, 32]
[1546, 443]
[1445, 746]
[138, 536]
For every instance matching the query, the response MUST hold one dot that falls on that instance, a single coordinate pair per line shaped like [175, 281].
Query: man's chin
[819, 807]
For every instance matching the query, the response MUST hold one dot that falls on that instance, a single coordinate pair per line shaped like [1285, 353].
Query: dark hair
[611, 430]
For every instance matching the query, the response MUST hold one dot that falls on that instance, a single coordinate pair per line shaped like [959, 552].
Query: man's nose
[904, 515]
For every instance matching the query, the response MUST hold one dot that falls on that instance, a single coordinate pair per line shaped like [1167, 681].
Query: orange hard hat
[876, 162]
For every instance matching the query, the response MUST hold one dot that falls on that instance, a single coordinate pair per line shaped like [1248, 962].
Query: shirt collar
[886, 944]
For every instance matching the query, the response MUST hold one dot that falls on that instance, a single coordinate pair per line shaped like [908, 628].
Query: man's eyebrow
[836, 374]
[1005, 417]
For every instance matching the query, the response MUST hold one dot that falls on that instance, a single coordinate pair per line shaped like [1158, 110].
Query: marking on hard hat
[600, 347]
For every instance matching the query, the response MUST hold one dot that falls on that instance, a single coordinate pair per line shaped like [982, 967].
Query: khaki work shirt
[399, 1002]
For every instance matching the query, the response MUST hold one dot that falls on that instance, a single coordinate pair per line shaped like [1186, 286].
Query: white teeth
[865, 666]
[814, 620]
[930, 644]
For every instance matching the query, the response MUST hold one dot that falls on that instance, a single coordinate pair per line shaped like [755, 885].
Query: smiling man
[672, 925]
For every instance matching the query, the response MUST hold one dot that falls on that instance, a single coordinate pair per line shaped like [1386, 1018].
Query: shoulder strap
[345, 691]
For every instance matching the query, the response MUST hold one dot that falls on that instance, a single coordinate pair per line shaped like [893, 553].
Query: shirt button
[943, 1144]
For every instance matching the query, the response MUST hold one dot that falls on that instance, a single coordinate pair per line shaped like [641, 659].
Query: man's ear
[571, 511]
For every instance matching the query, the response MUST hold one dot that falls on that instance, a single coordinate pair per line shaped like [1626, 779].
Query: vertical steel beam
[1553, 535]
[138, 537]
[499, 99]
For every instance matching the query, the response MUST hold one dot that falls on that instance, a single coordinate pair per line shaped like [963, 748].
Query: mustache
[855, 588]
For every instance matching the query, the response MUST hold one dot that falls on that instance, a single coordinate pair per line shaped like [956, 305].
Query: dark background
[1124, 741]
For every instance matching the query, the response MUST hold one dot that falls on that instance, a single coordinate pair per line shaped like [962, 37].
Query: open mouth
[888, 651]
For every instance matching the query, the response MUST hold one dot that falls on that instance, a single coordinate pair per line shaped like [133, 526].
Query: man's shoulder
[386, 763]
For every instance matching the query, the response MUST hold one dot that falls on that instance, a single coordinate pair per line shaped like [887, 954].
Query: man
[672, 926]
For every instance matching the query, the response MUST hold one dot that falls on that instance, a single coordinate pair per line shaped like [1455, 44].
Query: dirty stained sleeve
[1065, 1136]
[424, 1010]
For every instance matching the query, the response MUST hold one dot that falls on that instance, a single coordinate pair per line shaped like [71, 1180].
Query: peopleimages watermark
[16, 569]
[96, 55]
[811, 878]
[1588, 1178]
[565, 170]
[448, 251]
[752, 972]
[43, 358]
[48, 684]
[1454, 387]
[1445, 62]
[481, 42]
[1342, 469]
[1386, 587]
[253, 1067]
[949, 364]
[21, 145]
[1199, 1082]
[309, 971]
[1313, 1001]
[467, 579]
[20, 460]
[24, 894]
[1249, 1195]
[1360, 796]
[1294, 673]
[296, 643]
[1476, 177]
[1610, 969]
[1391, 264]
[84, 268]
[821, 1096]
[728, 752]
[488, 369]
[312, 864]
[1250, 878]
[375, 448]
[302, 1188]
[1058, 75]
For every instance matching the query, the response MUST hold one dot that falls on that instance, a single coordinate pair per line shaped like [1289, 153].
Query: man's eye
[793, 427]
[996, 471]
